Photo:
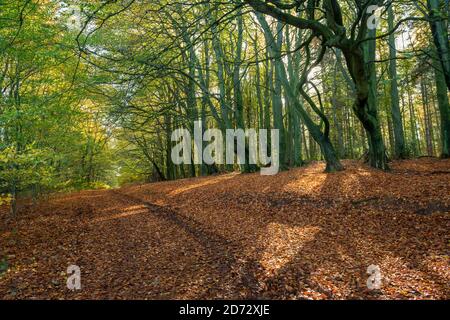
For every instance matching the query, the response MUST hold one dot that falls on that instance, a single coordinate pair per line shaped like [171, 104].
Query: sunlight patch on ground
[130, 211]
[306, 184]
[439, 265]
[415, 280]
[347, 185]
[202, 184]
[283, 243]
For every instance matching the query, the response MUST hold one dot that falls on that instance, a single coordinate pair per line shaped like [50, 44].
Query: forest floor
[301, 234]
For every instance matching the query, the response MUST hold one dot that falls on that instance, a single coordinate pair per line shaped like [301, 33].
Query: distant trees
[48, 139]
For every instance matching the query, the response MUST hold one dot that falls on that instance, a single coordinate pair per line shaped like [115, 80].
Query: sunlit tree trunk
[444, 110]
[438, 10]
[399, 137]
[427, 119]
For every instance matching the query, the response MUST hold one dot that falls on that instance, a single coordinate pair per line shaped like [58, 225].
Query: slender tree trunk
[258, 85]
[237, 90]
[169, 165]
[444, 111]
[399, 136]
[293, 65]
[439, 29]
[277, 102]
[336, 121]
[426, 119]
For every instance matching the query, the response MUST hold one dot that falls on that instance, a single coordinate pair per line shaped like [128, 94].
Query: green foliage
[5, 199]
[26, 168]
[51, 136]
[95, 109]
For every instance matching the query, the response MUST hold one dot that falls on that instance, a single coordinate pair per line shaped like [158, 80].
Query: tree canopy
[91, 91]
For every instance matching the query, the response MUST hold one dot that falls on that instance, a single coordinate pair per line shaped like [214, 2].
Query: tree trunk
[399, 136]
[277, 102]
[426, 119]
[444, 111]
[361, 68]
[439, 29]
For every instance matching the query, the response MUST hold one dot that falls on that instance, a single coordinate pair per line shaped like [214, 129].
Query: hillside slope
[300, 234]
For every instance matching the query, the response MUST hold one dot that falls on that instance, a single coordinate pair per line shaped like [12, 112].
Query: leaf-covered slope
[300, 234]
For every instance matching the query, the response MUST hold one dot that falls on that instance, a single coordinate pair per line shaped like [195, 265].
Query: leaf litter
[301, 234]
